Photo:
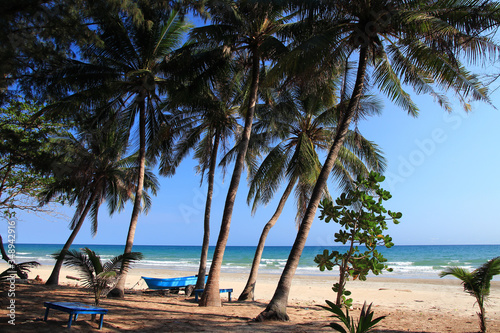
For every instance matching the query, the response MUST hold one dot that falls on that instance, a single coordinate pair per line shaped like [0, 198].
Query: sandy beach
[411, 305]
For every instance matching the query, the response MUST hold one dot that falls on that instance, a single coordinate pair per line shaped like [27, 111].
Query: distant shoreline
[407, 261]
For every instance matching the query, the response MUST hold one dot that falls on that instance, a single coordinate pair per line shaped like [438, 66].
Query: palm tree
[208, 120]
[244, 27]
[414, 43]
[477, 283]
[307, 127]
[95, 171]
[126, 72]
[21, 269]
[95, 275]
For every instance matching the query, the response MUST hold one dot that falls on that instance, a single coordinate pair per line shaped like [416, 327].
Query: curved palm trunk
[276, 309]
[200, 282]
[13, 266]
[211, 296]
[119, 290]
[54, 276]
[249, 290]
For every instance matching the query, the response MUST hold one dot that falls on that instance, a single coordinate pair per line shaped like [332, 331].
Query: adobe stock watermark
[408, 164]
[196, 208]
[11, 292]
[424, 148]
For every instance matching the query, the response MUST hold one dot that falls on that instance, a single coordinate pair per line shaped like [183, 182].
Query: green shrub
[365, 323]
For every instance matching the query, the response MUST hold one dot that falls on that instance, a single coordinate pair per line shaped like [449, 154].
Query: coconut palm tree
[308, 127]
[413, 43]
[126, 71]
[207, 122]
[95, 170]
[477, 283]
[99, 277]
[244, 27]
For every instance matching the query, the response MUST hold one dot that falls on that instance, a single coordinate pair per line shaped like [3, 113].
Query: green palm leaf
[477, 283]
[95, 275]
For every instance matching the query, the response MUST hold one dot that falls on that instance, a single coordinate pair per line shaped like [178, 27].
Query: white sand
[444, 295]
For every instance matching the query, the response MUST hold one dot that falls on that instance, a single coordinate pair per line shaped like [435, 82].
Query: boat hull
[171, 283]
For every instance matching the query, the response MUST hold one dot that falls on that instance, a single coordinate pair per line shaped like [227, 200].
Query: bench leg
[100, 322]
[76, 316]
[70, 320]
[229, 293]
[46, 314]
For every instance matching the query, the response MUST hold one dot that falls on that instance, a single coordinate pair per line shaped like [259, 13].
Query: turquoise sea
[425, 261]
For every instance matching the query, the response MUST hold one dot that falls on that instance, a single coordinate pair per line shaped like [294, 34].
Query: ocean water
[425, 261]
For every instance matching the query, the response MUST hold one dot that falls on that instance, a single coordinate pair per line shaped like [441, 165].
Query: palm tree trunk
[200, 282]
[54, 276]
[211, 296]
[249, 290]
[481, 314]
[276, 309]
[119, 290]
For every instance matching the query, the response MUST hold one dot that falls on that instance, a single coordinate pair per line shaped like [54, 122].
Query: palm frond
[97, 276]
[80, 261]
[484, 274]
[462, 274]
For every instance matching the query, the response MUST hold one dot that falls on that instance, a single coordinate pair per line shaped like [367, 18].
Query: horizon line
[254, 245]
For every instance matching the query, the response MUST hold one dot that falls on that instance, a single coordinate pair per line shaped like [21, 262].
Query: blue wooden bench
[200, 291]
[74, 308]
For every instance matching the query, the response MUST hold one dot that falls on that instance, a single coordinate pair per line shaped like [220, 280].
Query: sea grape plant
[363, 221]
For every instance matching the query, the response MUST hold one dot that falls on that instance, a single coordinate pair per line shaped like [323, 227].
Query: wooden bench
[200, 291]
[74, 308]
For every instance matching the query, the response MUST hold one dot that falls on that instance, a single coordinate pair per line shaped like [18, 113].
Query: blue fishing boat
[171, 283]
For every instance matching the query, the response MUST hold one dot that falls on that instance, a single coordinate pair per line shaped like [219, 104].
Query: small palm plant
[477, 283]
[365, 323]
[97, 276]
[21, 269]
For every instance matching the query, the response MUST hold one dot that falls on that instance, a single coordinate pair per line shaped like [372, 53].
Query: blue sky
[442, 172]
